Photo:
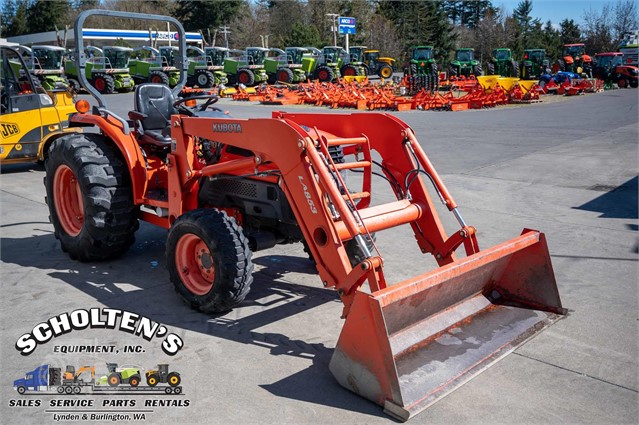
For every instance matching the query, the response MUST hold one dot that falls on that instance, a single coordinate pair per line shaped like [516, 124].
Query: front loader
[225, 187]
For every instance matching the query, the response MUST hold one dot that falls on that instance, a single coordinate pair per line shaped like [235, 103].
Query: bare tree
[381, 35]
[597, 29]
[625, 19]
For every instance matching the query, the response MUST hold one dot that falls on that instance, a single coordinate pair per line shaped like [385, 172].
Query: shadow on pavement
[618, 202]
[139, 282]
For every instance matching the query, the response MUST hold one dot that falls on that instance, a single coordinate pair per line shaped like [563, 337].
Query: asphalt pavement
[567, 167]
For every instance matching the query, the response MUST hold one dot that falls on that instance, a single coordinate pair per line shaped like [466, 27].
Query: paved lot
[568, 168]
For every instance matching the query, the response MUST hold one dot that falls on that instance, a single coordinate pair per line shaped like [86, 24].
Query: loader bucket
[408, 345]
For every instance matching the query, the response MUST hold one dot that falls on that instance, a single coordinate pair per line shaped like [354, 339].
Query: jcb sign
[9, 129]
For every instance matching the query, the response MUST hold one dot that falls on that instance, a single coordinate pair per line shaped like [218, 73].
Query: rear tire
[284, 75]
[152, 380]
[324, 74]
[622, 83]
[113, 380]
[104, 83]
[134, 381]
[89, 197]
[158, 77]
[246, 77]
[348, 71]
[385, 71]
[205, 79]
[477, 70]
[173, 379]
[209, 260]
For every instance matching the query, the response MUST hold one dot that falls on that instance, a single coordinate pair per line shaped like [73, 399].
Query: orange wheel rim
[349, 72]
[68, 200]
[114, 380]
[100, 84]
[194, 264]
[156, 79]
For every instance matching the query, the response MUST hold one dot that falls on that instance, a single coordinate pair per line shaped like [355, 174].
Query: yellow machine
[28, 113]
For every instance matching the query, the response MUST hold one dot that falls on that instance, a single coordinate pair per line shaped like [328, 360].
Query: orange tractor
[223, 191]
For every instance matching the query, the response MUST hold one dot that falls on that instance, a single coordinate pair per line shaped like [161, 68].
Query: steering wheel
[211, 99]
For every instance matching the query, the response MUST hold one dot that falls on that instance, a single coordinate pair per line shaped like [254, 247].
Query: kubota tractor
[224, 187]
[574, 59]
[464, 64]
[610, 68]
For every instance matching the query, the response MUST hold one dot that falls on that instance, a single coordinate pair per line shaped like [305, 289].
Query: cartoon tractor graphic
[162, 376]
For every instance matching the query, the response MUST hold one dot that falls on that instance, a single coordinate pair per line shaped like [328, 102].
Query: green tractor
[373, 62]
[422, 69]
[246, 67]
[106, 69]
[202, 71]
[120, 375]
[319, 68]
[280, 66]
[464, 64]
[534, 64]
[502, 63]
[46, 64]
[155, 66]
[341, 62]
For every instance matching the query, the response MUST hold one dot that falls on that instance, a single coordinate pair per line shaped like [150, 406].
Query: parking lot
[566, 167]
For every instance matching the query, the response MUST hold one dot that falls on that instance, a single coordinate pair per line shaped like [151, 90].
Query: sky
[557, 10]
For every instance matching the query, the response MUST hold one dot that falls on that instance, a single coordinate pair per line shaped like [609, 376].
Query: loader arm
[404, 345]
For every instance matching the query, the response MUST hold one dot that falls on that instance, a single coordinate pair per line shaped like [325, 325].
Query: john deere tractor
[502, 63]
[534, 64]
[46, 64]
[280, 66]
[246, 67]
[107, 69]
[202, 71]
[151, 65]
[422, 70]
[464, 64]
[574, 59]
[373, 62]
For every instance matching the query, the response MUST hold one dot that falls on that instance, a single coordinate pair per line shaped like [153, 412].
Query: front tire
[152, 380]
[209, 260]
[89, 197]
[385, 71]
[173, 379]
[21, 390]
[205, 79]
[104, 83]
[158, 77]
[114, 380]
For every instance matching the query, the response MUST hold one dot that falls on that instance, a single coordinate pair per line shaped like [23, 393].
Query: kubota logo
[227, 128]
[311, 204]
[9, 129]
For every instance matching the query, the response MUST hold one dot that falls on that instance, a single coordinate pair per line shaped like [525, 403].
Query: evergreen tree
[46, 15]
[20, 20]
[204, 14]
[474, 11]
[569, 32]
[527, 24]
[551, 41]
[303, 35]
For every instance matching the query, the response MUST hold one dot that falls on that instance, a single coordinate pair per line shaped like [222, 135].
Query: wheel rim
[68, 200]
[323, 75]
[100, 84]
[202, 80]
[156, 79]
[283, 76]
[194, 264]
[152, 382]
[243, 77]
[349, 72]
[174, 380]
[386, 72]
[622, 83]
[113, 380]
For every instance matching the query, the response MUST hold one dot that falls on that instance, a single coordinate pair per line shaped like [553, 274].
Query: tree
[597, 30]
[47, 15]
[303, 35]
[527, 25]
[569, 32]
[14, 18]
[200, 15]
[551, 41]
[625, 19]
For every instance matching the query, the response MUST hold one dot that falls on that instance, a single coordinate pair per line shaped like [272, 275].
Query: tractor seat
[153, 108]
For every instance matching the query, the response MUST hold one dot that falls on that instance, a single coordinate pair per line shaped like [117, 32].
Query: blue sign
[346, 25]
